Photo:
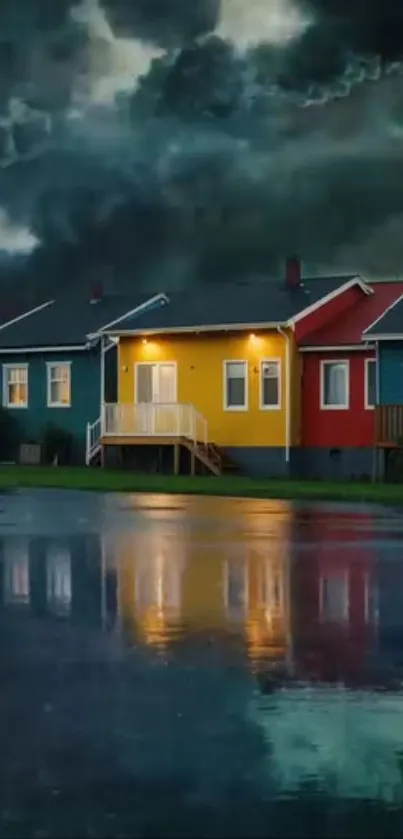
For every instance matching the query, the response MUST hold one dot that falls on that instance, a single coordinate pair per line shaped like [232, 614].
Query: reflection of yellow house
[257, 597]
[226, 571]
[149, 589]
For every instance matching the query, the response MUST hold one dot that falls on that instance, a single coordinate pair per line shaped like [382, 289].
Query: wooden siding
[389, 425]
[326, 313]
[391, 373]
[199, 360]
[85, 395]
[352, 427]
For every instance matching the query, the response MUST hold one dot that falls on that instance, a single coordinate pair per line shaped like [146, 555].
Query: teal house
[387, 335]
[57, 368]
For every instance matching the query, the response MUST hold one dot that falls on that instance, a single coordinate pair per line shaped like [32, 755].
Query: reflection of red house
[339, 389]
[334, 608]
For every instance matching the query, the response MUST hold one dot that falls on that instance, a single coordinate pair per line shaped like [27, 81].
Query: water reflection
[249, 651]
[60, 577]
[298, 590]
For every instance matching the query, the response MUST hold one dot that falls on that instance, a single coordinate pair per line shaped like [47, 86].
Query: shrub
[57, 445]
[10, 435]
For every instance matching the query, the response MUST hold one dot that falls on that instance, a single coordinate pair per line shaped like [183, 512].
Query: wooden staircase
[211, 456]
[156, 424]
[207, 454]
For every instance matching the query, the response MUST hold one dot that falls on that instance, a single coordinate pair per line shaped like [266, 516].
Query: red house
[339, 389]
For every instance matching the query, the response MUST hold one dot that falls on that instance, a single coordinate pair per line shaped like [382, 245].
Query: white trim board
[337, 348]
[228, 327]
[26, 314]
[395, 337]
[56, 349]
[142, 307]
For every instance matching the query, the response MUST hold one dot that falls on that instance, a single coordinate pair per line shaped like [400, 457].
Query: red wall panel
[321, 316]
[335, 429]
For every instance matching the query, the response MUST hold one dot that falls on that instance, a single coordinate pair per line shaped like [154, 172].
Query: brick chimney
[293, 273]
[96, 293]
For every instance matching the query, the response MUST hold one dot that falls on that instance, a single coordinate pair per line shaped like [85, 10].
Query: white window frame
[261, 405]
[243, 407]
[5, 371]
[327, 363]
[368, 361]
[49, 366]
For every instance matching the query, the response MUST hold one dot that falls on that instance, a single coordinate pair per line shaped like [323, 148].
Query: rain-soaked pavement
[199, 667]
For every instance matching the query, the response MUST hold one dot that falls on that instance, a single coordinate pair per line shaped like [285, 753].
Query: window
[370, 383]
[235, 383]
[269, 384]
[58, 580]
[334, 598]
[334, 384]
[15, 385]
[270, 589]
[59, 385]
[16, 567]
[159, 583]
[236, 588]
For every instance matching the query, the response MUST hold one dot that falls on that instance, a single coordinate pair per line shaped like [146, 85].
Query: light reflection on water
[290, 616]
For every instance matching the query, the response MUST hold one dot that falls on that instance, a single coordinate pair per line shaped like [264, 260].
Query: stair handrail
[93, 436]
[203, 422]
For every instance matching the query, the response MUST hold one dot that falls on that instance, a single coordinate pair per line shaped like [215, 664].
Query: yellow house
[212, 378]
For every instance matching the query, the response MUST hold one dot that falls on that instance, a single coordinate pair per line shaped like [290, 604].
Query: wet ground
[199, 667]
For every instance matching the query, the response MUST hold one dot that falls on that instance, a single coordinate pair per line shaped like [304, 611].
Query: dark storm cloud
[342, 29]
[210, 168]
[165, 22]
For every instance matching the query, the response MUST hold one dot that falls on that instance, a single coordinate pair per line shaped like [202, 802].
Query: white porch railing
[93, 438]
[154, 420]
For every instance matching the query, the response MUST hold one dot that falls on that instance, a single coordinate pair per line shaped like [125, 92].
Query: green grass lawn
[105, 480]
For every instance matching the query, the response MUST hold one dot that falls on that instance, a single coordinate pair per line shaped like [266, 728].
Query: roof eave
[231, 327]
[381, 336]
[162, 299]
[304, 313]
[44, 349]
[336, 347]
[380, 317]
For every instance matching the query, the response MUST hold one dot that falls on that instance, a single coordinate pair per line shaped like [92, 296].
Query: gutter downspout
[103, 351]
[286, 336]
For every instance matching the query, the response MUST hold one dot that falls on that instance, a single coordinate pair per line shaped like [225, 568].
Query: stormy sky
[166, 142]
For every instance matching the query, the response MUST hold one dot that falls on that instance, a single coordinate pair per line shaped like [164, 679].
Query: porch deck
[389, 426]
[156, 424]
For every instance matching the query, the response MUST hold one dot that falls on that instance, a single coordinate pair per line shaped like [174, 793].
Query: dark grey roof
[67, 321]
[253, 303]
[390, 324]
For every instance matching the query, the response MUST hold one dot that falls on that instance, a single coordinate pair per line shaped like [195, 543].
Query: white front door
[155, 385]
